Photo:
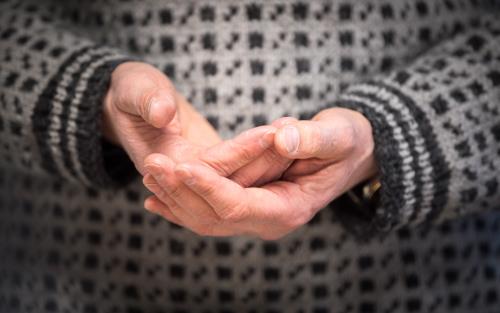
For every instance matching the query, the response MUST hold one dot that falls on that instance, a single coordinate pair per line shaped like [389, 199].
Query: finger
[147, 93]
[167, 206]
[154, 205]
[230, 155]
[184, 203]
[152, 185]
[282, 121]
[306, 167]
[227, 198]
[314, 139]
[280, 205]
[268, 167]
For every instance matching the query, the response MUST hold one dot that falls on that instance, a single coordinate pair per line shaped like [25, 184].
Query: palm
[333, 153]
[281, 206]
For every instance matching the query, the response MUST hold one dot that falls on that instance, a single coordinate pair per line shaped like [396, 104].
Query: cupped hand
[145, 115]
[334, 152]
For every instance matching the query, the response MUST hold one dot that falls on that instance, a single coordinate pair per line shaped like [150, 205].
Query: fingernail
[267, 139]
[291, 138]
[184, 173]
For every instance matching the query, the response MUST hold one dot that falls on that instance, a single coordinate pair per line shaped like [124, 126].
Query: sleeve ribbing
[53, 83]
[436, 126]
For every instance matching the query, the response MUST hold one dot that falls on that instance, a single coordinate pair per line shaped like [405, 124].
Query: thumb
[147, 93]
[314, 139]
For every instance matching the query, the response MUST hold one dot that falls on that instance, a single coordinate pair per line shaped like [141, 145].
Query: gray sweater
[75, 238]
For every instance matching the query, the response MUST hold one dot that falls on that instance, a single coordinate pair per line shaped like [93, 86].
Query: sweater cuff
[67, 121]
[413, 169]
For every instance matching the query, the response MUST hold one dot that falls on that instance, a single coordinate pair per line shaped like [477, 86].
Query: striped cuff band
[67, 117]
[413, 171]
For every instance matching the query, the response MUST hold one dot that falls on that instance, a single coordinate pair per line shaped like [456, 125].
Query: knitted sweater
[425, 73]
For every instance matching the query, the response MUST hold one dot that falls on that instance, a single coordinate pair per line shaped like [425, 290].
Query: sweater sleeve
[436, 126]
[52, 83]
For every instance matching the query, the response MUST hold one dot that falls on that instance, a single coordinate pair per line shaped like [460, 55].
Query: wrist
[366, 146]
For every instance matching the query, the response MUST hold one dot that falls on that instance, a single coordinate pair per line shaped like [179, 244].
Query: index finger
[228, 156]
[268, 212]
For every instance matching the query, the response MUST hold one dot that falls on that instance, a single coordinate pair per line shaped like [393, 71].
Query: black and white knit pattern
[69, 105]
[75, 238]
[415, 109]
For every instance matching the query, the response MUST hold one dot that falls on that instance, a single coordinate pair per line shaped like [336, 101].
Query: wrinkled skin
[334, 154]
[244, 186]
[145, 115]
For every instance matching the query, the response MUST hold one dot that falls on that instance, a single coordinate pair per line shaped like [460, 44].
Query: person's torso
[246, 63]
[66, 248]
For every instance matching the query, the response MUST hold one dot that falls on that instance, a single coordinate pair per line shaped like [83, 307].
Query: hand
[241, 159]
[145, 114]
[334, 152]
[337, 139]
